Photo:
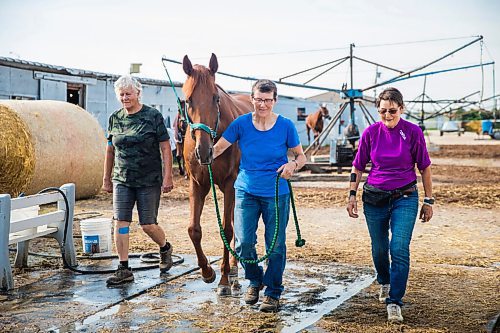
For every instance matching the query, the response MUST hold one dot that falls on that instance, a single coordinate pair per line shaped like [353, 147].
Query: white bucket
[96, 235]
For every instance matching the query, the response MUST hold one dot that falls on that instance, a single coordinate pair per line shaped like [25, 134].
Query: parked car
[451, 126]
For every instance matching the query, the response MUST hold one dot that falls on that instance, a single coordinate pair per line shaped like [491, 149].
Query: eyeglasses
[266, 101]
[391, 111]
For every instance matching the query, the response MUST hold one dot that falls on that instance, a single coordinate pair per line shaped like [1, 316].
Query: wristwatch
[429, 201]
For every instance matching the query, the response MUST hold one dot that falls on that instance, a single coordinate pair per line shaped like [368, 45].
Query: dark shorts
[147, 198]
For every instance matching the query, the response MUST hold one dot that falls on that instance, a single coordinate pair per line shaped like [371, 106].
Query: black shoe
[122, 275]
[270, 304]
[252, 295]
[166, 260]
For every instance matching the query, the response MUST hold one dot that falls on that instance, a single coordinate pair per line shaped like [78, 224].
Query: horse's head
[202, 98]
[324, 112]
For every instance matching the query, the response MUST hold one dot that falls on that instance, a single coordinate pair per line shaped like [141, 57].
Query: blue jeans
[399, 216]
[247, 211]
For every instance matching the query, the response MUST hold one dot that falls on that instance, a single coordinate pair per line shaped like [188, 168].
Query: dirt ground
[455, 258]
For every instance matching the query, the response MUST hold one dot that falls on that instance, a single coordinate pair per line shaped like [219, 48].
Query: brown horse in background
[210, 105]
[314, 122]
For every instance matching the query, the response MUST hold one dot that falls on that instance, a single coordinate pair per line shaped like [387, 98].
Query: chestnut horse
[314, 122]
[210, 110]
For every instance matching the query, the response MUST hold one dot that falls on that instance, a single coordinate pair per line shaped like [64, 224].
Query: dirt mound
[466, 151]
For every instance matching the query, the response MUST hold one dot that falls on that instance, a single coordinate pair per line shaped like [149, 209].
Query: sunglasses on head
[391, 111]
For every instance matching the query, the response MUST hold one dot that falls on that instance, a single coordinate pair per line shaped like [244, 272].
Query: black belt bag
[377, 197]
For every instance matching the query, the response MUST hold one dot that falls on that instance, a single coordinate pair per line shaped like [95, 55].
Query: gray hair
[127, 81]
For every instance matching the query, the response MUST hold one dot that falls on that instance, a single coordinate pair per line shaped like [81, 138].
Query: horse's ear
[214, 65]
[187, 66]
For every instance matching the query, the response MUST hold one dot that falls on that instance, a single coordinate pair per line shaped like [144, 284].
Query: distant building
[93, 91]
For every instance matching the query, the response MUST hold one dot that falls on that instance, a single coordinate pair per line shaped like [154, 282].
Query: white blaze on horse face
[388, 119]
[262, 109]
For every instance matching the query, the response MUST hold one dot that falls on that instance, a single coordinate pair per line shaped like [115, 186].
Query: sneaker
[269, 304]
[394, 313]
[252, 295]
[384, 292]
[122, 275]
[166, 260]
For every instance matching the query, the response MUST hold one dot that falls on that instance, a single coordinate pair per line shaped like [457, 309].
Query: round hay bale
[47, 144]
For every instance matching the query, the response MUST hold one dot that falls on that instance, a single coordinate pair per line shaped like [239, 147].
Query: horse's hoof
[233, 271]
[211, 278]
[223, 290]
[235, 287]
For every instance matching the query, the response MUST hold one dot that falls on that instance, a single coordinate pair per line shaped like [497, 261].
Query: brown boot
[122, 275]
[166, 260]
[270, 304]
[252, 295]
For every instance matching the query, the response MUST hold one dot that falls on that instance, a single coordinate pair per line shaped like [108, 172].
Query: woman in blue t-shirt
[394, 146]
[264, 139]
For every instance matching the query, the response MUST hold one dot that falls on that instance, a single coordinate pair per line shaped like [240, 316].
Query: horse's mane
[200, 75]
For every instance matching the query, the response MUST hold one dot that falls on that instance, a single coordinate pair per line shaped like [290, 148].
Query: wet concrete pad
[189, 305]
[67, 297]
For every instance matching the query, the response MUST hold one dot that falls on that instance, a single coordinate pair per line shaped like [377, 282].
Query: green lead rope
[299, 242]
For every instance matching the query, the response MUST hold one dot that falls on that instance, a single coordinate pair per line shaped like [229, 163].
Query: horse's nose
[204, 159]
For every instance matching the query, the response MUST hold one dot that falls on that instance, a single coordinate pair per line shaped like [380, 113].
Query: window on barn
[301, 114]
[75, 94]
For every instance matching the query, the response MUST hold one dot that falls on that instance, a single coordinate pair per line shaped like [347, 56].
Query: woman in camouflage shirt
[133, 172]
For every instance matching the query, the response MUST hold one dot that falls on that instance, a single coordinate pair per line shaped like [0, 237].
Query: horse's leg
[179, 157]
[196, 201]
[308, 137]
[233, 271]
[224, 287]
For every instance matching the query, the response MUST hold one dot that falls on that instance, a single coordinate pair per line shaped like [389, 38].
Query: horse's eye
[216, 99]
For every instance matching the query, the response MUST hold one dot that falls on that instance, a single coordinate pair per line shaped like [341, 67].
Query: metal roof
[31, 65]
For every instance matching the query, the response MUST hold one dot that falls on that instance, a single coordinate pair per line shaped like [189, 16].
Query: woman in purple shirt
[394, 146]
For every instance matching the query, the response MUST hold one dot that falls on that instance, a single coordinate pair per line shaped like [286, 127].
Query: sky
[266, 39]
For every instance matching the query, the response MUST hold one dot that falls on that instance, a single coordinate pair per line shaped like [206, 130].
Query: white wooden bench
[20, 232]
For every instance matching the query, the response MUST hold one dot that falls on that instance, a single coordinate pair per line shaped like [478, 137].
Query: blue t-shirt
[262, 153]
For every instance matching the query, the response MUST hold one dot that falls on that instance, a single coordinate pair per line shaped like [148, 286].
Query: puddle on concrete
[188, 304]
[67, 297]
[69, 302]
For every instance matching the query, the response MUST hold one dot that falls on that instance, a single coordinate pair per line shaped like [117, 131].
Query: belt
[408, 191]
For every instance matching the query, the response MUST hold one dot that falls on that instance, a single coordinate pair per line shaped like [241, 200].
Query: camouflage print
[136, 139]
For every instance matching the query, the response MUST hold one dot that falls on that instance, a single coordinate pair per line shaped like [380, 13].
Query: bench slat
[33, 200]
[16, 238]
[32, 222]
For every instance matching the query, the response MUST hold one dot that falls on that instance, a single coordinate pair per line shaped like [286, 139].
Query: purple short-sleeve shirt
[393, 153]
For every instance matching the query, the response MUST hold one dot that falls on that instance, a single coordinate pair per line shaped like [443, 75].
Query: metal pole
[315, 67]
[351, 100]
[255, 79]
[427, 65]
[422, 114]
[494, 94]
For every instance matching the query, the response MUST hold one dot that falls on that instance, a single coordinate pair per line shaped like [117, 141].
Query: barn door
[53, 90]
